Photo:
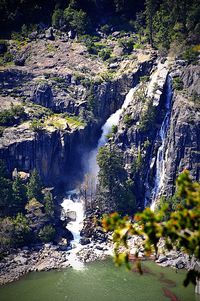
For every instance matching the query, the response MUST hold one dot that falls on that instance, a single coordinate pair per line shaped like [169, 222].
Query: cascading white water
[74, 226]
[113, 120]
[76, 205]
[160, 160]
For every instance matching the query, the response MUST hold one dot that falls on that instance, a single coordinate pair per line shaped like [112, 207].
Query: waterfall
[161, 155]
[73, 203]
[113, 120]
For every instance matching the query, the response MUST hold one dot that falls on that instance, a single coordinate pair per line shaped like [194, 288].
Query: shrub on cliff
[14, 232]
[47, 233]
[12, 116]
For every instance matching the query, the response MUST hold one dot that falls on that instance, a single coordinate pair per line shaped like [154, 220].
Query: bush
[47, 233]
[105, 54]
[36, 125]
[190, 55]
[105, 29]
[127, 45]
[12, 116]
[128, 120]
[178, 83]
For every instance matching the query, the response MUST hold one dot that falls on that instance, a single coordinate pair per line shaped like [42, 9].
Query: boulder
[49, 34]
[84, 241]
[33, 35]
[20, 60]
[71, 215]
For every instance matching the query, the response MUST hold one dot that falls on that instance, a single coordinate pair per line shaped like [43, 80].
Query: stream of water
[73, 203]
[160, 160]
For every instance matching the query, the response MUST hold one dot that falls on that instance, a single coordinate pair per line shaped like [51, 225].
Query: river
[101, 281]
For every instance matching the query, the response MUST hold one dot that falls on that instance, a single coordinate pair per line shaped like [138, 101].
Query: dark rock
[33, 35]
[49, 34]
[71, 34]
[43, 95]
[84, 241]
[3, 48]
[20, 60]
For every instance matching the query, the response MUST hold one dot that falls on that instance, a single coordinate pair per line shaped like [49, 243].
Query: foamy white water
[113, 120]
[75, 227]
[160, 161]
[76, 205]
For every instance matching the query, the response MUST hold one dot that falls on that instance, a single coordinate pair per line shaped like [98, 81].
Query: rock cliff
[51, 84]
[160, 139]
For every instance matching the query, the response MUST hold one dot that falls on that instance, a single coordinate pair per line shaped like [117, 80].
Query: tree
[49, 204]
[19, 192]
[6, 191]
[180, 231]
[139, 24]
[21, 230]
[88, 189]
[76, 20]
[149, 11]
[57, 18]
[34, 186]
[47, 233]
[114, 182]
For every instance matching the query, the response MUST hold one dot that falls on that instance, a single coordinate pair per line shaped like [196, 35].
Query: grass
[61, 122]
[50, 48]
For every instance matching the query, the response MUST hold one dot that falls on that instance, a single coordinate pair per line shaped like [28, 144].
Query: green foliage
[127, 45]
[128, 120]
[14, 232]
[47, 233]
[49, 204]
[148, 117]
[105, 54]
[34, 186]
[105, 29]
[36, 125]
[5, 196]
[19, 192]
[177, 83]
[12, 116]
[21, 230]
[57, 18]
[76, 20]
[114, 129]
[190, 55]
[181, 228]
[113, 179]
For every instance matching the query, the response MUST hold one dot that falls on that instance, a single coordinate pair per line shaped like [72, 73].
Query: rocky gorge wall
[58, 154]
[139, 135]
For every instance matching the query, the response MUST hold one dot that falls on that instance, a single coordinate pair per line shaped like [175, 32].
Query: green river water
[101, 281]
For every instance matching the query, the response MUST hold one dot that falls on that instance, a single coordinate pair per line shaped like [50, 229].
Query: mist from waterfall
[73, 202]
[92, 167]
[161, 155]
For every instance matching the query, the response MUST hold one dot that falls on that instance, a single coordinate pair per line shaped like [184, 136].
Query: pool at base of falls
[102, 281]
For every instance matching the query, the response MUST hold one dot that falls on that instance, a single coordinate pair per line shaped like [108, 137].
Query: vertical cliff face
[55, 154]
[158, 133]
[58, 154]
[182, 145]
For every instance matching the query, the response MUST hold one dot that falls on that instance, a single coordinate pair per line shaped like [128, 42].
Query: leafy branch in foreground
[181, 231]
